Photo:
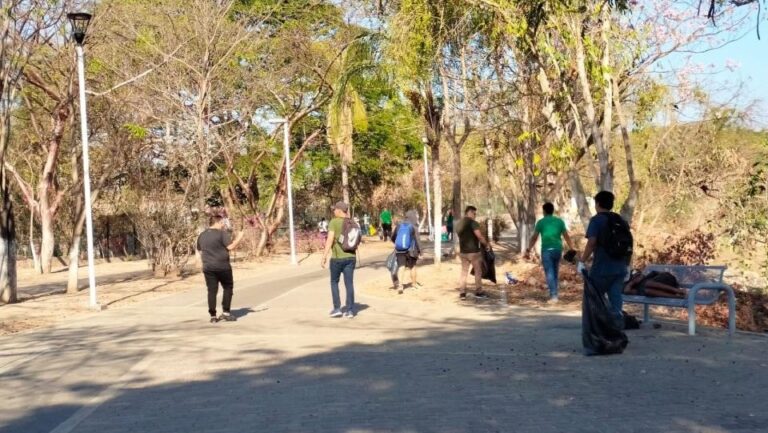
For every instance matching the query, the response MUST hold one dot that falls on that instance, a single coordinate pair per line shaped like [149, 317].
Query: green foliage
[137, 131]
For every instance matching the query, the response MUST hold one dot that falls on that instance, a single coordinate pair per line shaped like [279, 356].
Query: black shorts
[405, 259]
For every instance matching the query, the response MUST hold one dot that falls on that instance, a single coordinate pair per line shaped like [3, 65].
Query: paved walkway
[400, 366]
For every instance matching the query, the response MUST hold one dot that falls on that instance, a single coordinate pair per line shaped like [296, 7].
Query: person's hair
[548, 208]
[605, 199]
[470, 209]
[215, 219]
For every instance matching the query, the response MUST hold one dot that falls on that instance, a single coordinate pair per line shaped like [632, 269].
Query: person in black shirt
[470, 242]
[214, 245]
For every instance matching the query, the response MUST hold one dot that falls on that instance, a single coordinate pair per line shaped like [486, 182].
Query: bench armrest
[693, 291]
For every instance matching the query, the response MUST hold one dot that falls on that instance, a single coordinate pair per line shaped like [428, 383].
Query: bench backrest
[688, 276]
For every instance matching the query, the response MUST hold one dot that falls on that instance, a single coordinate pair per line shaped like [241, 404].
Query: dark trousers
[387, 229]
[612, 285]
[212, 280]
[346, 267]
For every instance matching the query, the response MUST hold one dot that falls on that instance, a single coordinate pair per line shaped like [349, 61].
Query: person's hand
[580, 268]
[324, 262]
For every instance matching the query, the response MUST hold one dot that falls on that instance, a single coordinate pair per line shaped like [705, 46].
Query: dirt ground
[44, 301]
[440, 285]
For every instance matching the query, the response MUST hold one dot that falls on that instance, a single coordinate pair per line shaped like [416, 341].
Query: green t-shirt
[335, 227]
[386, 217]
[468, 242]
[551, 229]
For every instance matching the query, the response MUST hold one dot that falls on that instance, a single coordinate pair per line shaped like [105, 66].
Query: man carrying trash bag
[610, 239]
[472, 243]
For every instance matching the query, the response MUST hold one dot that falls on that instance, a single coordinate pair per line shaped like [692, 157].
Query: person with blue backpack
[407, 248]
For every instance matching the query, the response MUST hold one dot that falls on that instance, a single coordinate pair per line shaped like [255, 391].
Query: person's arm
[482, 239]
[589, 249]
[532, 243]
[416, 239]
[328, 245]
[593, 230]
[568, 241]
[394, 233]
[236, 242]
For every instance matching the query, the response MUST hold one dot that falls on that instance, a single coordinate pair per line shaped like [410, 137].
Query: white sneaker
[335, 313]
[349, 315]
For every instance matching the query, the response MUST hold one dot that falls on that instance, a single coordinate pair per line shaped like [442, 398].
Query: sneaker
[349, 315]
[462, 296]
[214, 319]
[417, 285]
[335, 313]
[227, 317]
[399, 290]
[553, 300]
[481, 295]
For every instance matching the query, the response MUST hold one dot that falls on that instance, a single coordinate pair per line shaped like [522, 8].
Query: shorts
[405, 259]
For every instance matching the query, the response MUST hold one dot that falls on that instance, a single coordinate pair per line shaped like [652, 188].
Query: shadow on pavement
[505, 373]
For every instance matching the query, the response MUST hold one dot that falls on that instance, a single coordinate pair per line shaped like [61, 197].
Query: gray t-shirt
[212, 244]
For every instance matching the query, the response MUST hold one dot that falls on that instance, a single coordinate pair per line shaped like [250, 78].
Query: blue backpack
[404, 237]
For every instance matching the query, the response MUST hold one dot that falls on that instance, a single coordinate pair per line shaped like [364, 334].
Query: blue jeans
[612, 284]
[550, 259]
[346, 267]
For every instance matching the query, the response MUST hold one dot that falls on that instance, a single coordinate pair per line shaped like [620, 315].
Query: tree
[346, 110]
[24, 26]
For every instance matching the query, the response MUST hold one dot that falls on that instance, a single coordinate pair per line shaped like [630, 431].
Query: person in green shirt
[552, 230]
[449, 224]
[342, 263]
[386, 223]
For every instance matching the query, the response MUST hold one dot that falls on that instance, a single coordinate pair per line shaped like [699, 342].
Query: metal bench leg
[646, 313]
[691, 318]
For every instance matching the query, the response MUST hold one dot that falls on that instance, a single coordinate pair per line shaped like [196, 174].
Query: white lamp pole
[289, 184]
[426, 185]
[79, 26]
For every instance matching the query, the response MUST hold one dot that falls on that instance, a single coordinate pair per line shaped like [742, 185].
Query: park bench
[704, 285]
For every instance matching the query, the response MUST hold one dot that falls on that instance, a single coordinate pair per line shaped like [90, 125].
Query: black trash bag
[489, 267]
[601, 332]
[630, 321]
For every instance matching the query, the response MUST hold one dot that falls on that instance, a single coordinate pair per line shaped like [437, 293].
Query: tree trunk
[628, 208]
[74, 251]
[495, 182]
[47, 241]
[605, 180]
[456, 182]
[437, 207]
[108, 244]
[345, 182]
[8, 286]
[74, 265]
[577, 190]
[37, 266]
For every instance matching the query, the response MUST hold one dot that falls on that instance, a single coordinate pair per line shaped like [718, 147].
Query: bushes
[693, 248]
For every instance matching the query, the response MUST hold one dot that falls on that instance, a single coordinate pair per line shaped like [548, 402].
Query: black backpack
[616, 237]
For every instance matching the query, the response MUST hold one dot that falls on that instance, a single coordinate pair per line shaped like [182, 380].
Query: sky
[748, 61]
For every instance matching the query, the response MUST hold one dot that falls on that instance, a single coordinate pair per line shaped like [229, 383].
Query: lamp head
[80, 21]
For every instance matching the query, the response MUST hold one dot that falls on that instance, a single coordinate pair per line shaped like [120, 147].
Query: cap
[340, 205]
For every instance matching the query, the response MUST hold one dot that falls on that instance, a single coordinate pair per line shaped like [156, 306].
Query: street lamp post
[80, 23]
[426, 186]
[289, 184]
